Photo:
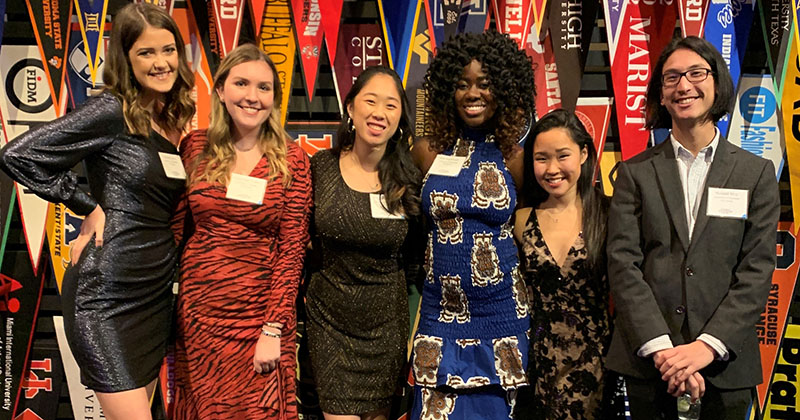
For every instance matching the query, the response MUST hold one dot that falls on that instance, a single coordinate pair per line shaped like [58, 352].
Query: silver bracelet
[270, 333]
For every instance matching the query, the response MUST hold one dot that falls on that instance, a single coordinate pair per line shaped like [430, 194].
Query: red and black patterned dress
[240, 268]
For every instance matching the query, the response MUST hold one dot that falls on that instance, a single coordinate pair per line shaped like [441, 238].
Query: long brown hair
[219, 153]
[129, 23]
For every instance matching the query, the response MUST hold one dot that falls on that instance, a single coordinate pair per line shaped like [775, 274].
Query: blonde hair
[219, 153]
[129, 23]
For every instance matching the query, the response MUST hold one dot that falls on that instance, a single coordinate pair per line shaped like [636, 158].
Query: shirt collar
[708, 152]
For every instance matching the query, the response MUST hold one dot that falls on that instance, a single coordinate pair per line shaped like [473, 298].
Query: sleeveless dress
[471, 347]
[570, 332]
[117, 299]
[240, 268]
[357, 301]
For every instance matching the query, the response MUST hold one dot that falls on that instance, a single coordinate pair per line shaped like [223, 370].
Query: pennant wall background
[591, 56]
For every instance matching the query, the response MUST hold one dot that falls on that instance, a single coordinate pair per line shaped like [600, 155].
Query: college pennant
[27, 103]
[474, 16]
[790, 105]
[50, 21]
[257, 13]
[772, 322]
[198, 63]
[728, 29]
[41, 383]
[362, 46]
[203, 13]
[228, 17]
[331, 19]
[419, 57]
[308, 26]
[312, 140]
[595, 114]
[63, 227]
[777, 19]
[545, 72]
[451, 15]
[514, 17]
[85, 405]
[167, 5]
[79, 77]
[92, 17]
[755, 123]
[784, 397]
[19, 308]
[570, 25]
[277, 40]
[643, 31]
[693, 16]
[397, 23]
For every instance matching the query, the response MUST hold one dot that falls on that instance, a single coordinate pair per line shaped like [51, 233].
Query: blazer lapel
[670, 183]
[721, 169]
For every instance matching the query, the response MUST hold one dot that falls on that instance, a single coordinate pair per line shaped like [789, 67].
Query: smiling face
[474, 100]
[154, 61]
[557, 161]
[376, 111]
[688, 102]
[248, 95]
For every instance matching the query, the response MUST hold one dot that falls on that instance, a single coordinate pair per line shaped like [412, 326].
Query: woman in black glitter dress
[357, 302]
[117, 295]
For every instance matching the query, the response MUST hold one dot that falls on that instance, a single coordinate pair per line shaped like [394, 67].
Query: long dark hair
[129, 23]
[724, 98]
[594, 203]
[400, 178]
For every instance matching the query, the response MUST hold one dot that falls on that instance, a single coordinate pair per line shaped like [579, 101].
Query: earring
[400, 129]
[350, 126]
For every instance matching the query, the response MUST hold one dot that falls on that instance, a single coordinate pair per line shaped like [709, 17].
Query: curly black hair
[510, 76]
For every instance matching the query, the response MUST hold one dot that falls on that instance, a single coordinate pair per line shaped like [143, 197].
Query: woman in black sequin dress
[357, 301]
[117, 295]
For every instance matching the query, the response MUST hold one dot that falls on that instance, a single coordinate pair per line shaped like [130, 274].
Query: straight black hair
[594, 203]
[657, 115]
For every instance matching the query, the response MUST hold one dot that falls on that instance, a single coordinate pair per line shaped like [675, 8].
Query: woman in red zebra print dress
[235, 350]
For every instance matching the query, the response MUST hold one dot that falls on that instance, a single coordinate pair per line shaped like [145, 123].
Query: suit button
[680, 309]
[689, 272]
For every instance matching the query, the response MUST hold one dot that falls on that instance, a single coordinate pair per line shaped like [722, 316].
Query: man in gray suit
[691, 247]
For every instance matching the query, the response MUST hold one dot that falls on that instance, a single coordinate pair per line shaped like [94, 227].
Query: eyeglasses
[672, 79]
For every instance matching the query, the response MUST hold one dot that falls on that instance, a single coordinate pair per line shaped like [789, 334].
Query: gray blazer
[718, 282]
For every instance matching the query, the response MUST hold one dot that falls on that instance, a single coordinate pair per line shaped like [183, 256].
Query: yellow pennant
[278, 41]
[62, 228]
[790, 105]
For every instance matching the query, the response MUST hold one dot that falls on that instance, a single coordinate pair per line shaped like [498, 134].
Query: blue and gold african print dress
[471, 347]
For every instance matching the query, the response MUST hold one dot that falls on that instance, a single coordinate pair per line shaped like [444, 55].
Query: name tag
[246, 188]
[727, 202]
[447, 165]
[377, 203]
[173, 166]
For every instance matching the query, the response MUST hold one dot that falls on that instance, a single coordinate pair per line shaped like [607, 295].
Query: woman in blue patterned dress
[471, 348]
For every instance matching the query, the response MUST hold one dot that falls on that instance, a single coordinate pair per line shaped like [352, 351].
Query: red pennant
[644, 31]
[514, 18]
[331, 19]
[595, 114]
[308, 26]
[693, 16]
[228, 17]
[257, 9]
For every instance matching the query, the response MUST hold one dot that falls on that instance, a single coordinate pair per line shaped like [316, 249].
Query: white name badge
[173, 166]
[246, 188]
[447, 165]
[377, 203]
[727, 202]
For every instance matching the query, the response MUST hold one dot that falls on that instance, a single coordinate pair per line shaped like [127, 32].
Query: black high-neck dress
[117, 299]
